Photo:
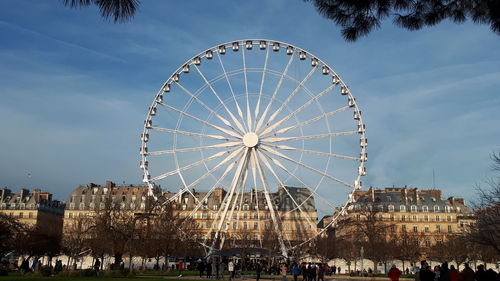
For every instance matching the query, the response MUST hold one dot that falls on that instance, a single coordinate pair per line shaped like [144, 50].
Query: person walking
[283, 271]
[444, 272]
[213, 274]
[222, 267]
[230, 268]
[295, 271]
[481, 274]
[467, 274]
[97, 266]
[208, 268]
[394, 273]
[180, 267]
[258, 269]
[454, 275]
[321, 272]
[201, 267]
[425, 273]
[303, 269]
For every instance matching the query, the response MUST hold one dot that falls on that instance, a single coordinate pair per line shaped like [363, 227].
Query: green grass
[55, 278]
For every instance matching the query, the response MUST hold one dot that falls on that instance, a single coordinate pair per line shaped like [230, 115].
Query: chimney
[372, 194]
[36, 194]
[416, 195]
[24, 193]
[46, 196]
[4, 193]
[404, 194]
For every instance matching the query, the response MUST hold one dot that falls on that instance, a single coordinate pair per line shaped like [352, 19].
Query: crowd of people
[444, 272]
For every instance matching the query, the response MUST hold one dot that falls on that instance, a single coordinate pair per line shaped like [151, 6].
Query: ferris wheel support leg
[274, 217]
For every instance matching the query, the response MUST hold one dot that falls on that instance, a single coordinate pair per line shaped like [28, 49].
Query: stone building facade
[422, 213]
[249, 220]
[35, 208]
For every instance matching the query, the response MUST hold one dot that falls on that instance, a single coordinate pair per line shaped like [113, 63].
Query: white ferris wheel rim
[242, 134]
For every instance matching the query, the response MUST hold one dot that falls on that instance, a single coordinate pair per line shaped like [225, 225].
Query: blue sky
[74, 89]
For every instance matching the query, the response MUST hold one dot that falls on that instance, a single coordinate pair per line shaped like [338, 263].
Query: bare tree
[486, 230]
[9, 232]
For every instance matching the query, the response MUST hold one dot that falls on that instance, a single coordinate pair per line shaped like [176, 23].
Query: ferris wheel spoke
[238, 108]
[249, 115]
[274, 217]
[312, 120]
[231, 133]
[270, 168]
[262, 80]
[187, 167]
[280, 82]
[312, 190]
[217, 137]
[281, 155]
[318, 136]
[285, 103]
[223, 176]
[302, 107]
[230, 194]
[231, 156]
[220, 145]
[236, 122]
[225, 121]
[326, 154]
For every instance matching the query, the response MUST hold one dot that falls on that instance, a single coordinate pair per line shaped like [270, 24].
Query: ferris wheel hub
[250, 139]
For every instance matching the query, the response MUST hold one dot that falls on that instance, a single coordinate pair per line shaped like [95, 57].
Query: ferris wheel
[266, 126]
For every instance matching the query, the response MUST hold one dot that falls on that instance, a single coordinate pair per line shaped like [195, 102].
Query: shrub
[4, 272]
[88, 272]
[45, 271]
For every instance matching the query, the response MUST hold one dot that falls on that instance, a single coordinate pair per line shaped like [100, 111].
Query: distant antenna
[433, 179]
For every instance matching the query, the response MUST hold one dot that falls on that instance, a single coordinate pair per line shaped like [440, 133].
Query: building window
[425, 209]
[245, 225]
[255, 216]
[82, 206]
[403, 228]
[245, 215]
[426, 228]
[235, 225]
[436, 209]
[426, 218]
[255, 225]
[393, 228]
[413, 208]
[415, 218]
[448, 218]
[30, 215]
[21, 215]
[438, 218]
[447, 209]
[403, 218]
[391, 208]
[392, 217]
[402, 208]
[427, 243]
[450, 229]
[184, 206]
[358, 217]
[415, 228]
[438, 228]
[215, 208]
[204, 215]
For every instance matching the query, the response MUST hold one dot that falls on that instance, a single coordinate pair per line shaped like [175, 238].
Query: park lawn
[55, 278]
